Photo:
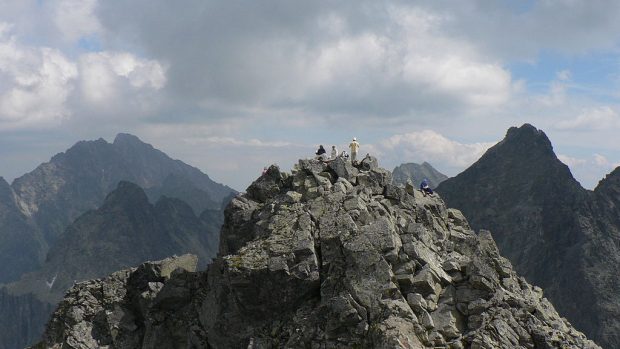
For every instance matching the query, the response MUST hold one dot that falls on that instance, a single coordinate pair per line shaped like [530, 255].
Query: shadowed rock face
[416, 174]
[23, 319]
[20, 242]
[557, 234]
[329, 256]
[125, 231]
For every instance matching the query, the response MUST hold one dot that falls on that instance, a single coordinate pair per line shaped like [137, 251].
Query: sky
[232, 86]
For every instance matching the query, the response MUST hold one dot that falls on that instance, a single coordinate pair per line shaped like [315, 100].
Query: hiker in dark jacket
[321, 154]
[425, 188]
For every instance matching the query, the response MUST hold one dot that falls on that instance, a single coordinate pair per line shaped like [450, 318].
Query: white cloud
[76, 19]
[35, 83]
[572, 161]
[40, 87]
[253, 142]
[430, 146]
[105, 75]
[376, 59]
[596, 118]
[600, 160]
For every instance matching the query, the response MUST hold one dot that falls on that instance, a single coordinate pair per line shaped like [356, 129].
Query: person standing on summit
[354, 146]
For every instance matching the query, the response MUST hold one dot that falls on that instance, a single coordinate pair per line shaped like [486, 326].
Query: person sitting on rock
[344, 155]
[334, 152]
[425, 188]
[321, 154]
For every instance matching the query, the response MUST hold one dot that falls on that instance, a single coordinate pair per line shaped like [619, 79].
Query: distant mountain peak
[557, 234]
[126, 193]
[126, 137]
[416, 173]
[527, 133]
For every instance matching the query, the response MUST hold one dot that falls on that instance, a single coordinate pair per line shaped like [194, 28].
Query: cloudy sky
[230, 86]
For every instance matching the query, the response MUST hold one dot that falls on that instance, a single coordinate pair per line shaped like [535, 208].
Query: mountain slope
[55, 193]
[23, 319]
[550, 228]
[416, 174]
[20, 243]
[125, 231]
[38, 206]
[330, 256]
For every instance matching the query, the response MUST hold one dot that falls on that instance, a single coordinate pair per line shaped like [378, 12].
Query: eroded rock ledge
[329, 256]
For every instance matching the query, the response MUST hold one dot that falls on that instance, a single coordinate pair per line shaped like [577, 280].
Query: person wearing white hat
[354, 146]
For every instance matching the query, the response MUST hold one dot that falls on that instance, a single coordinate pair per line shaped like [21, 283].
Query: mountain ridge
[55, 193]
[557, 234]
[416, 173]
[330, 256]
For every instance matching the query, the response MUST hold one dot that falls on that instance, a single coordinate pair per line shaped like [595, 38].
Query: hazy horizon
[231, 86]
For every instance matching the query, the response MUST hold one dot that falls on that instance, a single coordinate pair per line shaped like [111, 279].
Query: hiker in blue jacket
[425, 188]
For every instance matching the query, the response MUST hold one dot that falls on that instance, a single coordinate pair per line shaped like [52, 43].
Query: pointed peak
[526, 131]
[125, 138]
[526, 138]
[126, 193]
[126, 142]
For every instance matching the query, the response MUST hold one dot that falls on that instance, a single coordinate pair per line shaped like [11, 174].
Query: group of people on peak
[354, 146]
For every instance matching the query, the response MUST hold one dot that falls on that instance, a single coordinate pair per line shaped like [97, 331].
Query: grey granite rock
[344, 268]
[558, 235]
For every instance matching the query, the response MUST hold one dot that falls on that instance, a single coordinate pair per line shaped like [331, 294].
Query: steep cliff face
[416, 174]
[23, 319]
[557, 234]
[330, 256]
[21, 245]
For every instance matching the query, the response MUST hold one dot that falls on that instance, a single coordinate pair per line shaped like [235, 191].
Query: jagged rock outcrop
[557, 234]
[150, 306]
[416, 174]
[335, 256]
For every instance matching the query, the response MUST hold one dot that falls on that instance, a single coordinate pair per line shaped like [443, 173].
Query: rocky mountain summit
[557, 234]
[328, 256]
[416, 174]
